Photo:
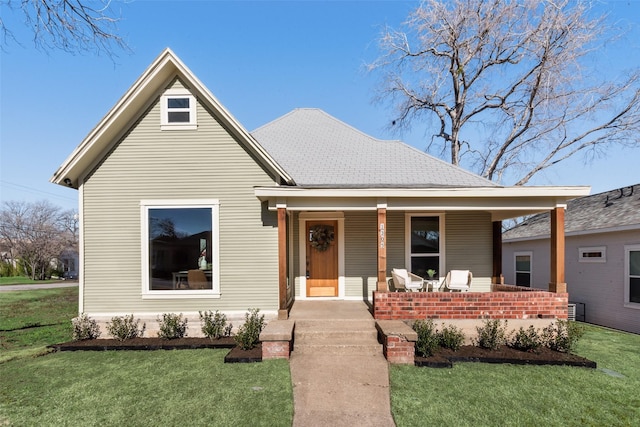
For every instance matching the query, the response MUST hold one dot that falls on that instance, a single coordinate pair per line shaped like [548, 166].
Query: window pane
[179, 241]
[425, 235]
[523, 263]
[178, 102]
[634, 289]
[420, 265]
[178, 116]
[523, 279]
[634, 263]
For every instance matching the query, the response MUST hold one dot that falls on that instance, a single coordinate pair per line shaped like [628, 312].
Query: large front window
[632, 275]
[181, 247]
[424, 242]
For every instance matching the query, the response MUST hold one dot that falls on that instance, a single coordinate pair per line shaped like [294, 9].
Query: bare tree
[506, 83]
[37, 233]
[69, 25]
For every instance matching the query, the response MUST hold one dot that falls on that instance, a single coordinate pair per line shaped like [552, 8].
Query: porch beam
[283, 312]
[382, 249]
[557, 284]
[496, 277]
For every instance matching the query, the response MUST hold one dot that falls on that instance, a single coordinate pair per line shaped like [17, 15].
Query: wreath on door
[321, 236]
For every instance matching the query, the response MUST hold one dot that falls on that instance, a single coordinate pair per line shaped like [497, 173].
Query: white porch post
[283, 312]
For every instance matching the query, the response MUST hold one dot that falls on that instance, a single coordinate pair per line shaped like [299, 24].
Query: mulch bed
[236, 355]
[444, 358]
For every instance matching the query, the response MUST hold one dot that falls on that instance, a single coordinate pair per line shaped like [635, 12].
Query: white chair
[402, 279]
[458, 280]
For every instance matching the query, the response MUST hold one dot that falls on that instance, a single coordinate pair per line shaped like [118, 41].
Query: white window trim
[627, 251]
[164, 110]
[515, 268]
[214, 204]
[407, 241]
[601, 249]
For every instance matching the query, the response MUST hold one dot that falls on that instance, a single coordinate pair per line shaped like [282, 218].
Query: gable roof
[318, 150]
[612, 210]
[144, 91]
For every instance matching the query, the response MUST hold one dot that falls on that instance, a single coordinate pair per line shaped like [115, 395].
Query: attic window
[178, 109]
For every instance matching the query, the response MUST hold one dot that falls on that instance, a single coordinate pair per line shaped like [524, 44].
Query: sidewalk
[66, 284]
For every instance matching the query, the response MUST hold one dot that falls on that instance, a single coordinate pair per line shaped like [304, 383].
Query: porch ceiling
[501, 202]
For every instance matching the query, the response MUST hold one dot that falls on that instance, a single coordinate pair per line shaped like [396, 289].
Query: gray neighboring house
[602, 256]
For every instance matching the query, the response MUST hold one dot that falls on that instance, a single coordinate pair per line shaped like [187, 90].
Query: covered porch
[375, 232]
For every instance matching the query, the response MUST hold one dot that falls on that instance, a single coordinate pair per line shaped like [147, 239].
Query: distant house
[602, 256]
[174, 191]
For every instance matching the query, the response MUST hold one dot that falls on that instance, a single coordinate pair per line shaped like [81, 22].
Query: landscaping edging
[144, 344]
[445, 358]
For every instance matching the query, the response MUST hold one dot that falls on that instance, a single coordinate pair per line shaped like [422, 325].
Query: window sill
[180, 295]
[179, 127]
[634, 305]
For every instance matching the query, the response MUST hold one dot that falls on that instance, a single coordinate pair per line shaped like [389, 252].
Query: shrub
[562, 335]
[451, 337]
[85, 328]
[492, 334]
[427, 337]
[172, 326]
[124, 328]
[214, 325]
[248, 334]
[527, 339]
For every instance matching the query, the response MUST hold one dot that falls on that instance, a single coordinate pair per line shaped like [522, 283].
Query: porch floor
[330, 310]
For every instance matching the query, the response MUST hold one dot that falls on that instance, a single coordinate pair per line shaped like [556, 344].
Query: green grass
[141, 388]
[31, 320]
[21, 280]
[144, 388]
[478, 394]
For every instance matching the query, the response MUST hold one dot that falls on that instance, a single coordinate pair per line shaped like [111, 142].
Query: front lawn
[479, 394]
[144, 388]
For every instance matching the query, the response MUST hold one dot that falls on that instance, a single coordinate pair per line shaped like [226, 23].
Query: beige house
[602, 255]
[182, 209]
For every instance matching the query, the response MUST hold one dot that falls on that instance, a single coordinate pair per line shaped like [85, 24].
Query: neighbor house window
[632, 276]
[523, 262]
[180, 247]
[592, 254]
[178, 109]
[424, 243]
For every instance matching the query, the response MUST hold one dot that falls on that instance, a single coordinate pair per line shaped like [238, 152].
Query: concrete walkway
[39, 286]
[344, 386]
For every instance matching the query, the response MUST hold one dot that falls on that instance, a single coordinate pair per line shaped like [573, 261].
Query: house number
[381, 236]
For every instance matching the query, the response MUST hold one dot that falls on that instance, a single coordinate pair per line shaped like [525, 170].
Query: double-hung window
[632, 276]
[523, 262]
[180, 248]
[178, 109]
[424, 243]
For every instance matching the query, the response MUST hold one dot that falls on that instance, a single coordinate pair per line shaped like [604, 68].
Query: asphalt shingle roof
[318, 150]
[615, 208]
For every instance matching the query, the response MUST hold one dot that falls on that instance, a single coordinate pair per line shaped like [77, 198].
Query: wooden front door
[322, 258]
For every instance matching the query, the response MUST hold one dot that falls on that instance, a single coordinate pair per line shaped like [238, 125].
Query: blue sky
[260, 59]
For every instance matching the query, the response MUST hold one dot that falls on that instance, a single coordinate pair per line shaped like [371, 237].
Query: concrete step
[336, 337]
[339, 348]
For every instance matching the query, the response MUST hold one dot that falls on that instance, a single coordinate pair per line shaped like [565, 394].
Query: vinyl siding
[600, 286]
[151, 164]
[468, 243]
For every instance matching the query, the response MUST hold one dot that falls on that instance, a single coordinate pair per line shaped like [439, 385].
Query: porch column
[557, 283]
[283, 312]
[382, 248]
[496, 277]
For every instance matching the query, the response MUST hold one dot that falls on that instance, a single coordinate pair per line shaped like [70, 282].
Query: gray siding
[600, 286]
[469, 242]
[152, 164]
